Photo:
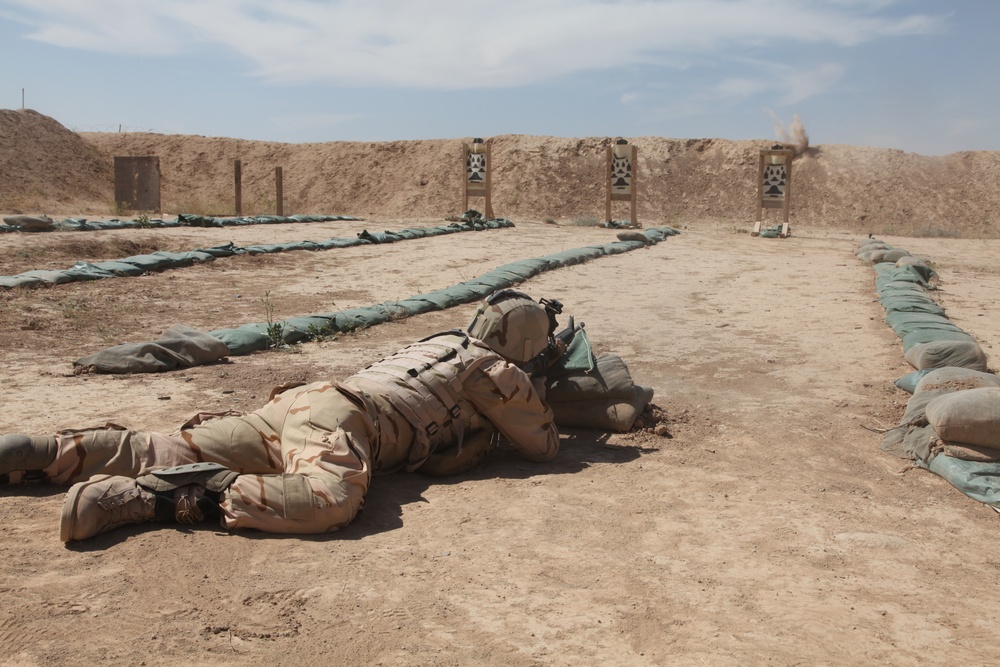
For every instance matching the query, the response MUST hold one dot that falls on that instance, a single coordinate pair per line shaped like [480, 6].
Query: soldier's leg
[326, 454]
[247, 443]
[20, 454]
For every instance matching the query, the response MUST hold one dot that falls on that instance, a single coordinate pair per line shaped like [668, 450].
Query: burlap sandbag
[968, 417]
[877, 256]
[31, 223]
[910, 260]
[971, 453]
[894, 255]
[956, 378]
[608, 414]
[869, 247]
[941, 353]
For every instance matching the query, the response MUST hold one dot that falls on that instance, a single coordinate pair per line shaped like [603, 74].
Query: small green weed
[275, 331]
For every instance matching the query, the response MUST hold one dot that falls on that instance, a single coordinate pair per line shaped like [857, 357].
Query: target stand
[774, 186]
[478, 160]
[622, 181]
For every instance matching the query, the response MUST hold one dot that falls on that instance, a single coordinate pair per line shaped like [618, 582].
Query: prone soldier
[303, 463]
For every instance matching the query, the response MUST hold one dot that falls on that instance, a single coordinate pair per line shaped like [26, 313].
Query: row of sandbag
[138, 265]
[903, 283]
[43, 223]
[182, 346]
[951, 424]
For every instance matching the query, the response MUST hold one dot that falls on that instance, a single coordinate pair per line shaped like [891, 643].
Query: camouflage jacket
[431, 394]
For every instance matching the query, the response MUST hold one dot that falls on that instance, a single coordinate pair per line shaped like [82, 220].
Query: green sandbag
[979, 481]
[942, 353]
[610, 378]
[935, 334]
[906, 322]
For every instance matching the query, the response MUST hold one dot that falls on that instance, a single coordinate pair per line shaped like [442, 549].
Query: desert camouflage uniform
[305, 460]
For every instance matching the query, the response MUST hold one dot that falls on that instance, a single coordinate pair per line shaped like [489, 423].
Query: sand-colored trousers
[304, 459]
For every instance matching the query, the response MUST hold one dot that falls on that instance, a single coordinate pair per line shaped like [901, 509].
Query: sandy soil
[769, 529]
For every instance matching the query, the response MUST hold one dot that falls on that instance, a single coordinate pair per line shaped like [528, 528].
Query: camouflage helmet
[513, 325]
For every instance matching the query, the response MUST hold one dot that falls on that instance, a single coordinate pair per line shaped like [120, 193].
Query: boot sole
[67, 520]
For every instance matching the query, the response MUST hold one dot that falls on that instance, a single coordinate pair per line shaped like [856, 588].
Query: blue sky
[915, 75]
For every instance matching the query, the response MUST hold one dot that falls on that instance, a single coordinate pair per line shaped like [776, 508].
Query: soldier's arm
[511, 403]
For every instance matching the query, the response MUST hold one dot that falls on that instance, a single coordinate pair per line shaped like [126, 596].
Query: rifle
[539, 366]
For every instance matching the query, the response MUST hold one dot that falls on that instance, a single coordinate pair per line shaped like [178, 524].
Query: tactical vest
[424, 382]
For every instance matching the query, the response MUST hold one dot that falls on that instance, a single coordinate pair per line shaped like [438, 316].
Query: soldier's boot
[103, 503]
[186, 494]
[23, 456]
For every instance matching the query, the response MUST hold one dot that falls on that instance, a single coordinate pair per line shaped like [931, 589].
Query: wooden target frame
[137, 183]
[482, 186]
[615, 193]
[772, 194]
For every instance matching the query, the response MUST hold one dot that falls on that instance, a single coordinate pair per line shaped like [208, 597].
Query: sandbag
[608, 414]
[916, 443]
[910, 260]
[609, 379]
[31, 223]
[955, 378]
[180, 346]
[895, 255]
[941, 353]
[971, 453]
[878, 255]
[908, 382]
[968, 417]
[870, 246]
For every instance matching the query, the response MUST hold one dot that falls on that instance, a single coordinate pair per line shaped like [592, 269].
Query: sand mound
[48, 169]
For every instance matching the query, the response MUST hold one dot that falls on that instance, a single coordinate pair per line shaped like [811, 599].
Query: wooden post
[279, 195]
[465, 178]
[238, 178]
[760, 192]
[489, 179]
[635, 184]
[607, 198]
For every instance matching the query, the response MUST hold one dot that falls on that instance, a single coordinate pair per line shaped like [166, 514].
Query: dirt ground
[768, 529]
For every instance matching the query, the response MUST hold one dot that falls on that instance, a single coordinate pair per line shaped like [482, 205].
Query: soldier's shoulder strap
[450, 332]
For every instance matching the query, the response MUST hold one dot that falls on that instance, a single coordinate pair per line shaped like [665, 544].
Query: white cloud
[455, 44]
[788, 84]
